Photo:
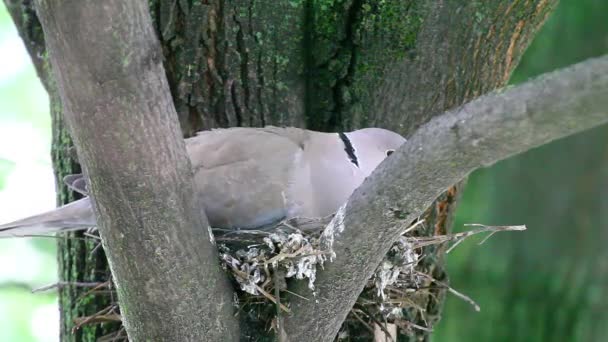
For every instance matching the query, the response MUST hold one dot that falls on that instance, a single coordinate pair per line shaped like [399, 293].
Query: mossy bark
[322, 64]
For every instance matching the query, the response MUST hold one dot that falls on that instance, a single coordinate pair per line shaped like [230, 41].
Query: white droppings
[235, 300]
[211, 237]
[333, 229]
[295, 253]
[397, 267]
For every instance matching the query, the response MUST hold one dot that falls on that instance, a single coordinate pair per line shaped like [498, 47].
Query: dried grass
[261, 262]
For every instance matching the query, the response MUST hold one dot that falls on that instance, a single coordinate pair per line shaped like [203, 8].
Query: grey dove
[251, 177]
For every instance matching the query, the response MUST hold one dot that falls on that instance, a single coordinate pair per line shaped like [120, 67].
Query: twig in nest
[297, 295]
[92, 236]
[495, 229]
[459, 237]
[62, 284]
[492, 229]
[379, 324]
[120, 335]
[105, 315]
[97, 319]
[105, 284]
[272, 299]
[277, 293]
[299, 253]
[406, 323]
[96, 248]
[413, 226]
[449, 288]
[362, 321]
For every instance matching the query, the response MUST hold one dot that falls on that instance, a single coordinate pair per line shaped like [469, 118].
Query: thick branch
[438, 155]
[107, 63]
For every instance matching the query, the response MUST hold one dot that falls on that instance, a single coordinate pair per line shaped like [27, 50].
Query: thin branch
[61, 284]
[451, 290]
[442, 152]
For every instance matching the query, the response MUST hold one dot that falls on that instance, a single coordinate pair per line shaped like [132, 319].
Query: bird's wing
[243, 175]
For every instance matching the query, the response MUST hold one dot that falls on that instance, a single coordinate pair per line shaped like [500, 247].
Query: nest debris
[262, 261]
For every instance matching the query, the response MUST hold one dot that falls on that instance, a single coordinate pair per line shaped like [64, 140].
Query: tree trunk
[325, 65]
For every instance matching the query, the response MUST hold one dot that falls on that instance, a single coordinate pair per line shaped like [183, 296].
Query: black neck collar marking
[349, 149]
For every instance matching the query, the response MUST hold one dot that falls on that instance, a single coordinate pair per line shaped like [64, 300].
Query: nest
[261, 262]
[289, 249]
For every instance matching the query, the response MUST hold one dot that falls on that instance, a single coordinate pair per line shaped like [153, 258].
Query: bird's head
[372, 145]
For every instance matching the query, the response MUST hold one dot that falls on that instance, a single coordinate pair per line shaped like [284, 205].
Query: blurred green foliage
[24, 141]
[549, 283]
[6, 166]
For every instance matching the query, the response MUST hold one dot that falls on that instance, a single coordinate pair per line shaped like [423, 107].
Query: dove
[251, 177]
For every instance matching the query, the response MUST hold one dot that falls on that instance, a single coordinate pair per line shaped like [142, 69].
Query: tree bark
[79, 259]
[119, 110]
[324, 65]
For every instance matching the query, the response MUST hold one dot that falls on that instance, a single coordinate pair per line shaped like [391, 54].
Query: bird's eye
[389, 152]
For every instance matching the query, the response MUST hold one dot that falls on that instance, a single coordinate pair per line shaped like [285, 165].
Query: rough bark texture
[78, 258]
[169, 283]
[323, 64]
[234, 63]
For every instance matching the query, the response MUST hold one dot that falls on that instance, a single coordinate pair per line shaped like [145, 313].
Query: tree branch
[108, 69]
[439, 154]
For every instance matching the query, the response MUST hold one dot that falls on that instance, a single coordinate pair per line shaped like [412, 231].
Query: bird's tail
[77, 215]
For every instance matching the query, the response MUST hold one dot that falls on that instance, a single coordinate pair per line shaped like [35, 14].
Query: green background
[549, 283]
[26, 187]
[546, 284]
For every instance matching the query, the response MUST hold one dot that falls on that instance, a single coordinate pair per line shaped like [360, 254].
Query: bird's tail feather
[77, 215]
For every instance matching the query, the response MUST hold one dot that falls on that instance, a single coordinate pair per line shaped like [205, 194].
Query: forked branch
[442, 152]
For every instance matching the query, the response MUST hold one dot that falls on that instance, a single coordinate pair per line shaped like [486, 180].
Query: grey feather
[77, 183]
[76, 215]
[251, 177]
